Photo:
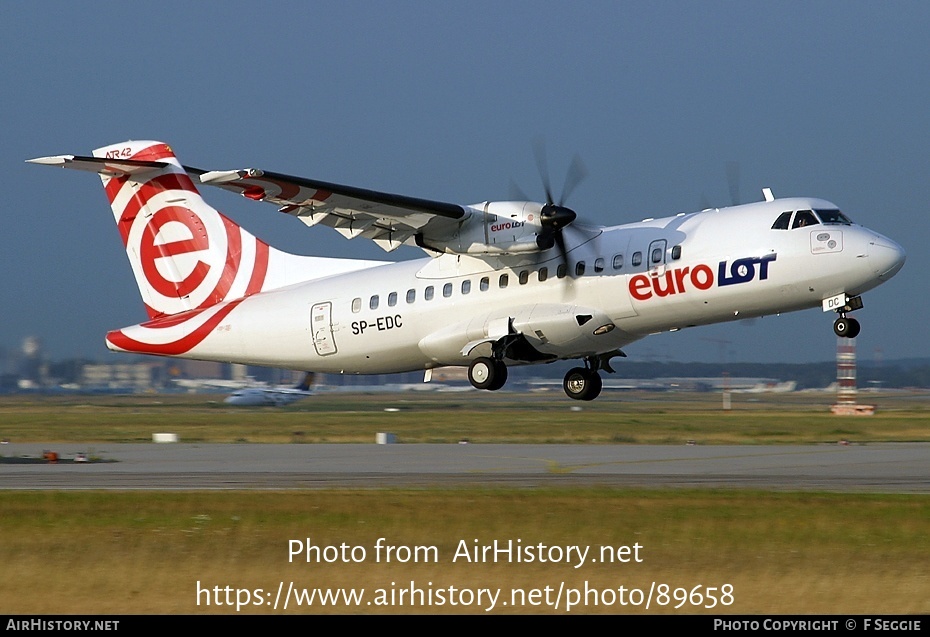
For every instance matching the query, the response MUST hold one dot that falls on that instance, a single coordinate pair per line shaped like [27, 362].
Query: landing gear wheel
[854, 328]
[582, 384]
[846, 327]
[487, 373]
[500, 376]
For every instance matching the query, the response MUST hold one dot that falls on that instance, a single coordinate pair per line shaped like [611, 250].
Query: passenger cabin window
[833, 216]
[392, 299]
[804, 218]
[543, 274]
[447, 290]
[484, 284]
[676, 253]
[561, 271]
[466, 286]
[782, 222]
[656, 255]
[637, 259]
[524, 277]
[428, 293]
[357, 305]
[579, 268]
[373, 303]
[411, 296]
[599, 264]
[618, 261]
[503, 281]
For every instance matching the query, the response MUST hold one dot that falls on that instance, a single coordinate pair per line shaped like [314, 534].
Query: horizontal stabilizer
[106, 167]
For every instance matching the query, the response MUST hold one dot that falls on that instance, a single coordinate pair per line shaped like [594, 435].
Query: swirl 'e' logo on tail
[150, 251]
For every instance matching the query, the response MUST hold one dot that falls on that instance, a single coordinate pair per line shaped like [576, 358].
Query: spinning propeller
[554, 217]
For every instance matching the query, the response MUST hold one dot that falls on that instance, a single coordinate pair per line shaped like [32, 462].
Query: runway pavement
[894, 468]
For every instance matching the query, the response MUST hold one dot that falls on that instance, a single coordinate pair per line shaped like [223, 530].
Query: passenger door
[321, 327]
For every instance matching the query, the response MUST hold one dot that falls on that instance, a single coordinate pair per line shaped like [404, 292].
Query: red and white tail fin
[185, 255]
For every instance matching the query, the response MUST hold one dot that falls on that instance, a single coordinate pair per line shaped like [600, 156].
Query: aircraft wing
[387, 219]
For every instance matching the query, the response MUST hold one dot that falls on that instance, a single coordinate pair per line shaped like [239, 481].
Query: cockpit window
[804, 218]
[782, 222]
[833, 216]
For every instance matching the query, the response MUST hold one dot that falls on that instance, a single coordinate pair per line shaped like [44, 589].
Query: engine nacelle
[496, 227]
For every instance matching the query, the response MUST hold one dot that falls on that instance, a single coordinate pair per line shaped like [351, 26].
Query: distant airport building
[124, 376]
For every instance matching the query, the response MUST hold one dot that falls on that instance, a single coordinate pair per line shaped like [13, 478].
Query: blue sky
[442, 100]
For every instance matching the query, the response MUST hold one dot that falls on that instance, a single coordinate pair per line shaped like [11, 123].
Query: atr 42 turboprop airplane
[271, 396]
[509, 282]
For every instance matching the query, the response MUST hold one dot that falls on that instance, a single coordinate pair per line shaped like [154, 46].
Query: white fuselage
[638, 279]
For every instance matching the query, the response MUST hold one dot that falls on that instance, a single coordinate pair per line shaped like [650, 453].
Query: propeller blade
[577, 172]
[542, 165]
[516, 193]
[545, 239]
[563, 252]
[733, 181]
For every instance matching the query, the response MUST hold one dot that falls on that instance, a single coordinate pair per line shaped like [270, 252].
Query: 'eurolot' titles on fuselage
[698, 277]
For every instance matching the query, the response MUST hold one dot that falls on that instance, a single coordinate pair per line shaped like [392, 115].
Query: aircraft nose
[886, 257]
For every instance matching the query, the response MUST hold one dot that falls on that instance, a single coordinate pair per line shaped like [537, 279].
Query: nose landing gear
[844, 326]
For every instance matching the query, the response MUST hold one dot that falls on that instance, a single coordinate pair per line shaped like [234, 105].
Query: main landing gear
[487, 373]
[582, 383]
[846, 327]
